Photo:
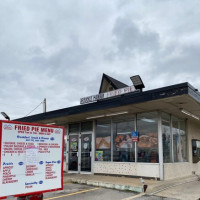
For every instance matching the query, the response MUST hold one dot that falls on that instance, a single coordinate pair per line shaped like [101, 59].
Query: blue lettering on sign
[58, 161]
[41, 162]
[20, 163]
[5, 163]
[23, 137]
[40, 182]
[52, 138]
[134, 134]
[32, 183]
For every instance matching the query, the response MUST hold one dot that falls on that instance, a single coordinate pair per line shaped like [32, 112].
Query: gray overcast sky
[59, 49]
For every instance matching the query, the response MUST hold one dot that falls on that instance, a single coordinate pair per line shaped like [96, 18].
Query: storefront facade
[99, 135]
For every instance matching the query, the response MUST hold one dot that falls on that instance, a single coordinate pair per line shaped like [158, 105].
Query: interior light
[137, 82]
[119, 113]
[124, 133]
[51, 123]
[93, 117]
[189, 114]
[103, 126]
[148, 120]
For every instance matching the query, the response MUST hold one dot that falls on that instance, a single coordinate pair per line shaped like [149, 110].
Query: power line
[34, 109]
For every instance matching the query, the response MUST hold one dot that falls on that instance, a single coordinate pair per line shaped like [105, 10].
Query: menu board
[31, 158]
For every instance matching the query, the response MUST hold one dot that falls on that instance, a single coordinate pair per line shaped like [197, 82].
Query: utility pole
[44, 105]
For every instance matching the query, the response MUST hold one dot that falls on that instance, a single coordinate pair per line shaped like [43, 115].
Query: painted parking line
[66, 183]
[71, 194]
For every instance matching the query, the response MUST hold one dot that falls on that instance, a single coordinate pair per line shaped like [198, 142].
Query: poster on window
[123, 141]
[103, 142]
[148, 140]
[74, 146]
[99, 156]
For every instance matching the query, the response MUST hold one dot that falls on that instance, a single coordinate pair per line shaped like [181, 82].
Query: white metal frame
[91, 154]
[70, 171]
[160, 146]
[79, 151]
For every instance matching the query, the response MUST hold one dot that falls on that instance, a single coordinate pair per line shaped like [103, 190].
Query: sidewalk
[125, 183]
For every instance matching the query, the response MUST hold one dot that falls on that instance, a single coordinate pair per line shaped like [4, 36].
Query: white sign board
[198, 144]
[31, 158]
[106, 95]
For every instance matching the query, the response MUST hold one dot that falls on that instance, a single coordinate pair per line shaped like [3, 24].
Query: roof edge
[184, 88]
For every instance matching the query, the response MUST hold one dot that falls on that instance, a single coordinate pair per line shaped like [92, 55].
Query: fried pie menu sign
[31, 158]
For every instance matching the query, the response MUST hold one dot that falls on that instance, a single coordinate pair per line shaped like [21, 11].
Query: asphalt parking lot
[85, 192]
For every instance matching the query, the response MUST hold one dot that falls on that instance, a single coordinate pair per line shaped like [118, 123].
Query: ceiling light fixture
[93, 117]
[119, 113]
[148, 120]
[189, 114]
[52, 123]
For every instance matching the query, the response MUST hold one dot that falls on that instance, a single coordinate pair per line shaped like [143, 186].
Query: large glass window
[123, 147]
[147, 126]
[166, 138]
[74, 128]
[183, 141]
[179, 140]
[103, 141]
[176, 138]
[86, 126]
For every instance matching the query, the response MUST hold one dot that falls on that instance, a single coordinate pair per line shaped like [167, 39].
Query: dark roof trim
[115, 83]
[127, 99]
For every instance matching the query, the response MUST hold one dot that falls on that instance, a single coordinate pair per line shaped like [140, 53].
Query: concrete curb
[108, 185]
[167, 184]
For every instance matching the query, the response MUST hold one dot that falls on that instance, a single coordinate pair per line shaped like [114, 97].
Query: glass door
[86, 152]
[73, 152]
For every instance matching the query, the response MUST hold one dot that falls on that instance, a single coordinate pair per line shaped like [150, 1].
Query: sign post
[31, 161]
[134, 136]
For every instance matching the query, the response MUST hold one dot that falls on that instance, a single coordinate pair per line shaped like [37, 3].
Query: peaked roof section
[113, 82]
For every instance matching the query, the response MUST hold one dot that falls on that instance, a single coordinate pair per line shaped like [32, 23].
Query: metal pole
[160, 146]
[44, 105]
[135, 126]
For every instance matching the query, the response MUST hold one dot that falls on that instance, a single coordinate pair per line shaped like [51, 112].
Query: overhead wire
[34, 109]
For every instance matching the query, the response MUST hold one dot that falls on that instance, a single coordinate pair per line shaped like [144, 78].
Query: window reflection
[179, 140]
[86, 126]
[166, 138]
[147, 125]
[103, 141]
[123, 147]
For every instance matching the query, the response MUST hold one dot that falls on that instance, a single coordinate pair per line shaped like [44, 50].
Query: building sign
[31, 158]
[134, 136]
[106, 95]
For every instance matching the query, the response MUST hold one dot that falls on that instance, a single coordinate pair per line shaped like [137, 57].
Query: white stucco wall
[130, 169]
[194, 133]
[175, 170]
